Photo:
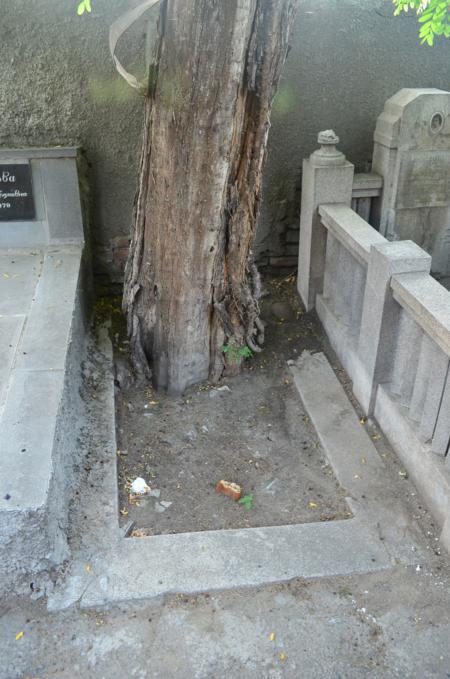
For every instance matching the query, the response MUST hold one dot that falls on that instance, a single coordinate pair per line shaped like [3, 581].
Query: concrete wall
[347, 58]
[58, 86]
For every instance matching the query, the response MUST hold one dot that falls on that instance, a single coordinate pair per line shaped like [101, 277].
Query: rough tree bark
[191, 285]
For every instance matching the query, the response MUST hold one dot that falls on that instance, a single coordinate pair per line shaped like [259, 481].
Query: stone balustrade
[388, 321]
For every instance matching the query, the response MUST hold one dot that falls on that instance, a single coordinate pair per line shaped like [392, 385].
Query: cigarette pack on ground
[232, 490]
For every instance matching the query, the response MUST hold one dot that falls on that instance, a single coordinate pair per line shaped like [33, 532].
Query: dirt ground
[393, 625]
[251, 429]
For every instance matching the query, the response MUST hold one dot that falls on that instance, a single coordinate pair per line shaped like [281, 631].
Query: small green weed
[246, 501]
[234, 353]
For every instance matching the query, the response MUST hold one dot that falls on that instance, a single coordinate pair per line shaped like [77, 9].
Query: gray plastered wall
[59, 87]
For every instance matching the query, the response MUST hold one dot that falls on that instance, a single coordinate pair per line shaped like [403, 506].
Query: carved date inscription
[424, 180]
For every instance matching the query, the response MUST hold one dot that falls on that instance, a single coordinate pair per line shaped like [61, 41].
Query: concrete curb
[129, 569]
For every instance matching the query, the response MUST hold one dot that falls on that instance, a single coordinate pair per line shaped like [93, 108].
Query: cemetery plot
[251, 430]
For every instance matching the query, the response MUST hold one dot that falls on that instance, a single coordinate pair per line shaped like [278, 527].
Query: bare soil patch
[251, 429]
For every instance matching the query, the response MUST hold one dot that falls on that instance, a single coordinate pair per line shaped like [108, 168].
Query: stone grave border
[114, 568]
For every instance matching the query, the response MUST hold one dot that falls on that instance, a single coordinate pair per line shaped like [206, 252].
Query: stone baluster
[381, 316]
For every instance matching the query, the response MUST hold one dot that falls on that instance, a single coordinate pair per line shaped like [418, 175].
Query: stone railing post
[381, 315]
[327, 178]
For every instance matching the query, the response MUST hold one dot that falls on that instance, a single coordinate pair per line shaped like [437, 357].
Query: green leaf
[84, 6]
[247, 501]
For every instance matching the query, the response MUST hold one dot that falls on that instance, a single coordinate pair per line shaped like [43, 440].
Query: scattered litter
[403, 474]
[270, 485]
[232, 490]
[154, 493]
[165, 504]
[290, 361]
[205, 429]
[138, 533]
[418, 569]
[356, 476]
[127, 528]
[224, 388]
[139, 487]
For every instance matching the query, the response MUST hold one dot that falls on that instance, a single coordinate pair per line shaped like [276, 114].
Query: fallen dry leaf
[137, 533]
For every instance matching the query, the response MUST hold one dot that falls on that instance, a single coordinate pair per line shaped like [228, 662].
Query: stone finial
[327, 137]
[328, 153]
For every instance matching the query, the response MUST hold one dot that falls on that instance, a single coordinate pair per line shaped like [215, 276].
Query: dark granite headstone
[16, 193]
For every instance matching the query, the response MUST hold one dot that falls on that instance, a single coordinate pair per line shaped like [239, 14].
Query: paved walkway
[383, 625]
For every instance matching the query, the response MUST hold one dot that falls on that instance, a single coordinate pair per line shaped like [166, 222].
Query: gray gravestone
[412, 153]
[39, 198]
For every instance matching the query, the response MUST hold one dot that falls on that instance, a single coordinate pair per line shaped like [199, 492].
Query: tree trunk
[191, 285]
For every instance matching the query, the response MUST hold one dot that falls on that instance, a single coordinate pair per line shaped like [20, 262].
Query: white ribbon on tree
[116, 30]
